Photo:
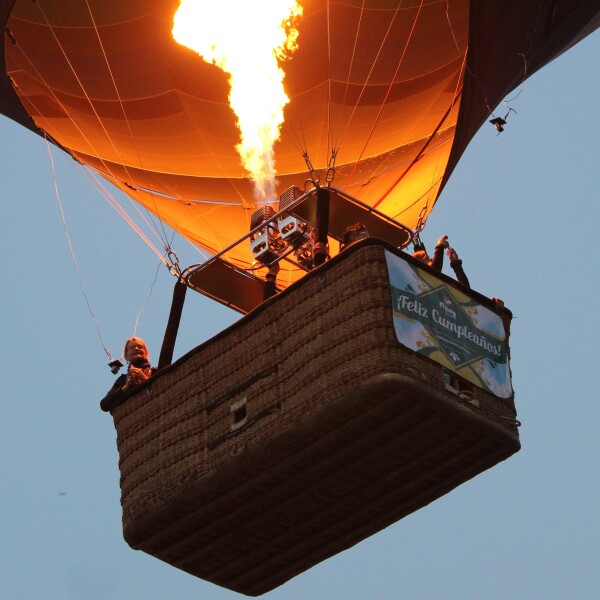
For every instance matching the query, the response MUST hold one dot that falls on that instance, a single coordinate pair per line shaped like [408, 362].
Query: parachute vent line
[259, 110]
[298, 137]
[335, 133]
[71, 250]
[435, 178]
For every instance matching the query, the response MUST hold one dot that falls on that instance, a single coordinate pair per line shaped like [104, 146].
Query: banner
[446, 325]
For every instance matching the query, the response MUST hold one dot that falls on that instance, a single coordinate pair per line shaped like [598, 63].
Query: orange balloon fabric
[379, 83]
[398, 89]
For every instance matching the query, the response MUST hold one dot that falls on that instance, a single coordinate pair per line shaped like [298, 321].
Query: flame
[247, 40]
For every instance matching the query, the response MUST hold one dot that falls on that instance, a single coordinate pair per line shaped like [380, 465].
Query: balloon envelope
[397, 88]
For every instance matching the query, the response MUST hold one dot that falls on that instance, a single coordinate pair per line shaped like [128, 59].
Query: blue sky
[522, 209]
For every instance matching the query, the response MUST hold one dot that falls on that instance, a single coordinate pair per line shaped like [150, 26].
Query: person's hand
[452, 255]
[135, 376]
[443, 241]
[499, 303]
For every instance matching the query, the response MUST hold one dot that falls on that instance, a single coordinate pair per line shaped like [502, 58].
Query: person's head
[422, 256]
[352, 234]
[135, 351]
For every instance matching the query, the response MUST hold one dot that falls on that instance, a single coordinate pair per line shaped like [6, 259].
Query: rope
[164, 240]
[51, 28]
[98, 185]
[147, 302]
[86, 139]
[63, 108]
[72, 251]
[522, 84]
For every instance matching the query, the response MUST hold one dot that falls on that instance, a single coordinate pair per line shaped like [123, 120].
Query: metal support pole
[168, 345]
[322, 227]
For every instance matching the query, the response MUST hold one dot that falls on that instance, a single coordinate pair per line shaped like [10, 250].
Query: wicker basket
[297, 432]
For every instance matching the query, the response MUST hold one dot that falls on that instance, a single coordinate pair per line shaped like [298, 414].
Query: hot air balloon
[371, 384]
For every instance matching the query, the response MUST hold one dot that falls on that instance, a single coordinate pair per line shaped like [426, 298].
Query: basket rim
[318, 272]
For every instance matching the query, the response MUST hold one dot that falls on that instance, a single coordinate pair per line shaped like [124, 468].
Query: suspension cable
[163, 242]
[299, 140]
[84, 137]
[46, 135]
[110, 71]
[457, 93]
[313, 173]
[72, 252]
[147, 302]
[82, 87]
[63, 108]
[173, 264]
[101, 189]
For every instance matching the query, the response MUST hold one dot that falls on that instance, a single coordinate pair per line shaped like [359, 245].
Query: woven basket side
[315, 343]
